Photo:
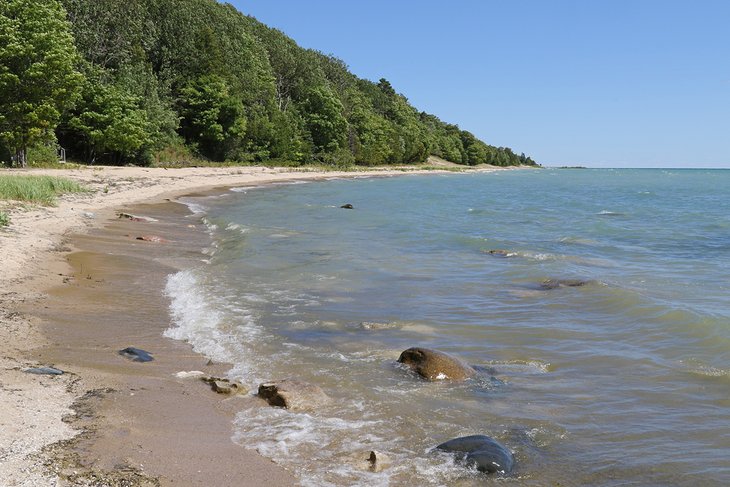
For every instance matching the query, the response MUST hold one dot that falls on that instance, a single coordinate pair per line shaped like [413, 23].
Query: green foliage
[110, 123]
[38, 80]
[4, 219]
[161, 73]
[212, 118]
[36, 189]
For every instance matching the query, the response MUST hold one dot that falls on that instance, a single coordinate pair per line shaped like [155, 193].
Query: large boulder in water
[480, 451]
[293, 394]
[435, 365]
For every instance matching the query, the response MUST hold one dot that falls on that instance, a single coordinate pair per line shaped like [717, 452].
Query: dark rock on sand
[557, 283]
[483, 452]
[293, 394]
[435, 365]
[136, 354]
[348, 206]
[225, 386]
[44, 371]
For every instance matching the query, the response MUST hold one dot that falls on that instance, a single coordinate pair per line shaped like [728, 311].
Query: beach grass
[36, 189]
[4, 219]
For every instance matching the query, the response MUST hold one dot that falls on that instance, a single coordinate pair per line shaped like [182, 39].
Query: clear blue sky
[601, 83]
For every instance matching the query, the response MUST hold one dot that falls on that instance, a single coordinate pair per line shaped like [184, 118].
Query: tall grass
[4, 219]
[36, 189]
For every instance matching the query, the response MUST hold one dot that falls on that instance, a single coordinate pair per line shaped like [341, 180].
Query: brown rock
[378, 462]
[225, 386]
[293, 394]
[435, 365]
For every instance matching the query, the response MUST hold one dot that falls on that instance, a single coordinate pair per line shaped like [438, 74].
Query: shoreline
[39, 413]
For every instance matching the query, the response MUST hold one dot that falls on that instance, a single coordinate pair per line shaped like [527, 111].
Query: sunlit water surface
[622, 381]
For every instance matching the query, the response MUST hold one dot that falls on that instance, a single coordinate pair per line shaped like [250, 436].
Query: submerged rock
[136, 354]
[348, 206]
[293, 394]
[481, 451]
[548, 284]
[44, 371]
[225, 386]
[501, 253]
[435, 365]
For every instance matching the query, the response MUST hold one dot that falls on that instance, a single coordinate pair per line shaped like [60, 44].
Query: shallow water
[622, 381]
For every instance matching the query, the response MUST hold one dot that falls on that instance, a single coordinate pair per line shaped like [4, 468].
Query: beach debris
[44, 371]
[225, 386]
[548, 284]
[435, 365]
[480, 451]
[152, 238]
[293, 394]
[89, 215]
[136, 354]
[188, 374]
[136, 218]
[347, 206]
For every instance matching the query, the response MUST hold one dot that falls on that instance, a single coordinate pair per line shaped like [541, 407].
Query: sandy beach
[108, 419]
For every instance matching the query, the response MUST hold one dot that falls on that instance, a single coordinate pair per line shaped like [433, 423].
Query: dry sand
[46, 421]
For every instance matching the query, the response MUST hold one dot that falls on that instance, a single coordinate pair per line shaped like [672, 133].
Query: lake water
[622, 381]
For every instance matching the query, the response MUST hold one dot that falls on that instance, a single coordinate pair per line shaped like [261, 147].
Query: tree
[213, 119]
[38, 79]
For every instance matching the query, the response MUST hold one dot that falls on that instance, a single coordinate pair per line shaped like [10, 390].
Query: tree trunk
[20, 159]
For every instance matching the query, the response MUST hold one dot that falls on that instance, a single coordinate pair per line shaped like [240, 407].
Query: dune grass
[36, 189]
[4, 219]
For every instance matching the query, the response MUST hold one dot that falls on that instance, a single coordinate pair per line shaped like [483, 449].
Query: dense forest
[155, 81]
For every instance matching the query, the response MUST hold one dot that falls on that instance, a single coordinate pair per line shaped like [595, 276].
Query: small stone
[348, 206]
[183, 374]
[44, 371]
[378, 462]
[293, 394]
[225, 386]
[152, 238]
[136, 354]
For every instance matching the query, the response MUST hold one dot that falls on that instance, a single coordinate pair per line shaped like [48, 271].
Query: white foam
[199, 320]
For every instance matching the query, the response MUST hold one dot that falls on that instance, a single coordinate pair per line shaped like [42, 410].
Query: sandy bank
[39, 413]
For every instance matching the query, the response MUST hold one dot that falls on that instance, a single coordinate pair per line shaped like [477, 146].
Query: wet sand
[142, 421]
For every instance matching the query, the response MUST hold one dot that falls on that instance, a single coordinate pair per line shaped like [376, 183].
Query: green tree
[38, 79]
[110, 124]
[212, 118]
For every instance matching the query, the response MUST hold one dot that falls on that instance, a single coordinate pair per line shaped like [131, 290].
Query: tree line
[145, 81]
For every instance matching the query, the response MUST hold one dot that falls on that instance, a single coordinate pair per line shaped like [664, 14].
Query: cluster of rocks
[478, 451]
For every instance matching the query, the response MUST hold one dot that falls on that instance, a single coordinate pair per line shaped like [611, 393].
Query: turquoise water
[622, 381]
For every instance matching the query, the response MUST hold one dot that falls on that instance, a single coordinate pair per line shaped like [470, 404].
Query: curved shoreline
[35, 260]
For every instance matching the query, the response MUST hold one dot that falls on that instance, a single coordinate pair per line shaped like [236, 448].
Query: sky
[597, 83]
